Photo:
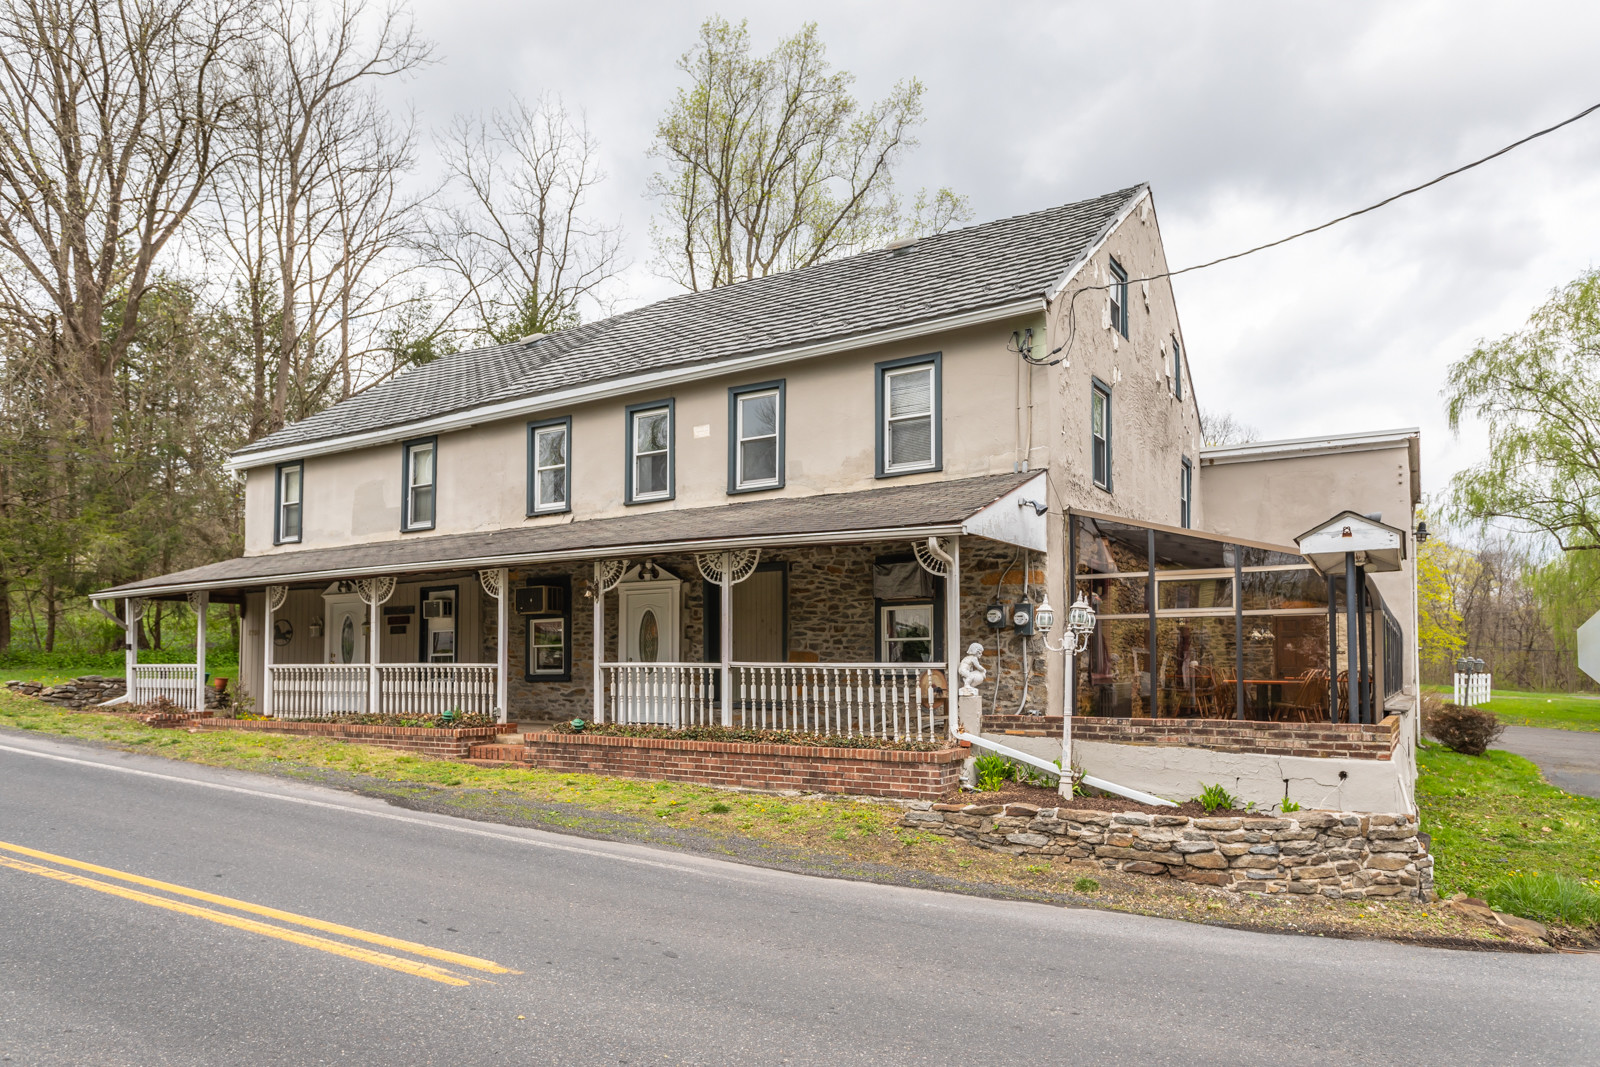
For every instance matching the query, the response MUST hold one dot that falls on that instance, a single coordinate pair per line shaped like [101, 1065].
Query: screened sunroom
[1196, 626]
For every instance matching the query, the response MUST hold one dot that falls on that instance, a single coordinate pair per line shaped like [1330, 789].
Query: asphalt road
[624, 954]
[1570, 759]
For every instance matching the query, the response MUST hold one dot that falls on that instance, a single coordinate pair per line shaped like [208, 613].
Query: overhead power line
[1071, 303]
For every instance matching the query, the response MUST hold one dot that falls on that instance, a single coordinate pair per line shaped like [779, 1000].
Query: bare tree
[1218, 429]
[518, 239]
[110, 117]
[310, 204]
[770, 164]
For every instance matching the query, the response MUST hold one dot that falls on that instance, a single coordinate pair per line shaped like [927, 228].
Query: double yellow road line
[9, 858]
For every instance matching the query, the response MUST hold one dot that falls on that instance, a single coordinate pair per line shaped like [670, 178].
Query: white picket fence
[894, 700]
[174, 681]
[1473, 689]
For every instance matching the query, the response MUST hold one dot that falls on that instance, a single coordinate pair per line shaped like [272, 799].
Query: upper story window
[419, 478]
[1177, 368]
[650, 437]
[549, 466]
[1119, 298]
[290, 478]
[909, 412]
[755, 440]
[1100, 432]
[1186, 494]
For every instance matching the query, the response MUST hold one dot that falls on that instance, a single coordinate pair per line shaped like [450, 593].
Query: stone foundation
[1343, 855]
[1336, 740]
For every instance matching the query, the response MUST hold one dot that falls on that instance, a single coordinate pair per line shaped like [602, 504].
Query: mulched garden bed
[1040, 797]
[424, 722]
[759, 737]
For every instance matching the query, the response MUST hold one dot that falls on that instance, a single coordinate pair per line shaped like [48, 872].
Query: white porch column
[132, 611]
[502, 642]
[200, 602]
[952, 634]
[374, 593]
[272, 599]
[599, 590]
[725, 591]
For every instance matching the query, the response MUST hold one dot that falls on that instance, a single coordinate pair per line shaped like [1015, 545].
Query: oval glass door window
[649, 637]
[347, 640]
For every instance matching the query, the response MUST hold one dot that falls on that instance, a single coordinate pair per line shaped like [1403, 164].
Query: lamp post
[1080, 624]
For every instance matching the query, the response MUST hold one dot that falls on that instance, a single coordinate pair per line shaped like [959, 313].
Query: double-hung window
[909, 416]
[755, 443]
[1177, 368]
[549, 466]
[419, 479]
[650, 434]
[1100, 433]
[549, 629]
[906, 632]
[290, 479]
[1186, 494]
[1119, 298]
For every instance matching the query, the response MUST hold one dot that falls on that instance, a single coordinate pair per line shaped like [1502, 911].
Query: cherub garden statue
[971, 671]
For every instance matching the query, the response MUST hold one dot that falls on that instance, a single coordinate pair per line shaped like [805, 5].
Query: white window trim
[298, 502]
[540, 505]
[887, 641]
[889, 420]
[412, 485]
[776, 437]
[634, 454]
[533, 624]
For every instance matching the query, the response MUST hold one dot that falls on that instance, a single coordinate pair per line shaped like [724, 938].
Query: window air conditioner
[438, 608]
[541, 600]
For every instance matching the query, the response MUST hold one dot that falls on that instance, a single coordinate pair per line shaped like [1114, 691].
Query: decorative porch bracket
[932, 556]
[374, 592]
[607, 576]
[494, 584]
[726, 570]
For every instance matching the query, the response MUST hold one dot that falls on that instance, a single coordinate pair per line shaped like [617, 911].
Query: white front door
[342, 639]
[648, 633]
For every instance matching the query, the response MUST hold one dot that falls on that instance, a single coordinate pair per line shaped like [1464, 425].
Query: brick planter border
[1315, 739]
[452, 742]
[747, 765]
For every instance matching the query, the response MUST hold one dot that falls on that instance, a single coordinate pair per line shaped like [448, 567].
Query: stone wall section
[1338, 854]
[832, 618]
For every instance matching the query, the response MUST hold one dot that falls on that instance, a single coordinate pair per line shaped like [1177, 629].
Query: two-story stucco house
[795, 501]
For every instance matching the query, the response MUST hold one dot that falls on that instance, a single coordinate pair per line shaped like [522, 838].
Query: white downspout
[1093, 783]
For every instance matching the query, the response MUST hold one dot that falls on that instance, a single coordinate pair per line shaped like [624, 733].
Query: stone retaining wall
[1328, 740]
[83, 692]
[438, 742]
[1338, 854]
[867, 772]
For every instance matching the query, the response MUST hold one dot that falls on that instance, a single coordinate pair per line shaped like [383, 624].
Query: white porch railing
[435, 688]
[898, 700]
[315, 690]
[174, 681]
[661, 694]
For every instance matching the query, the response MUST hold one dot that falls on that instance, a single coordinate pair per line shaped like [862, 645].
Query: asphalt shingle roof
[895, 507]
[964, 270]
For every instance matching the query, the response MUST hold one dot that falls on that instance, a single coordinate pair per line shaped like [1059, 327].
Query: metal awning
[1002, 507]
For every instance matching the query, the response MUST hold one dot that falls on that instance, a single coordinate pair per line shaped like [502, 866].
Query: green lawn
[1493, 815]
[1558, 711]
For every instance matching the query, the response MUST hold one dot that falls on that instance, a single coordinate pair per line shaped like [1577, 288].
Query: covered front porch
[839, 620]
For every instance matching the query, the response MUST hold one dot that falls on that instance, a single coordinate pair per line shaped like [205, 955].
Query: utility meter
[995, 615]
[1022, 618]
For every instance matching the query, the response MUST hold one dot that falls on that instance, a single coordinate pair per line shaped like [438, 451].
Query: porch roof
[987, 506]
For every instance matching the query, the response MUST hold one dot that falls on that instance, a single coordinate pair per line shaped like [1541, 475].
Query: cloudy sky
[1249, 119]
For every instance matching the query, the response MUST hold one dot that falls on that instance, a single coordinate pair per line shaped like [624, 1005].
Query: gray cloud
[1249, 119]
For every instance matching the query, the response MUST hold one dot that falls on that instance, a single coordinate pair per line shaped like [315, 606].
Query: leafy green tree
[769, 162]
[1538, 392]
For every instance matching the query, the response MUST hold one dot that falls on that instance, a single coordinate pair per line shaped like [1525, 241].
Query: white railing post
[200, 602]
